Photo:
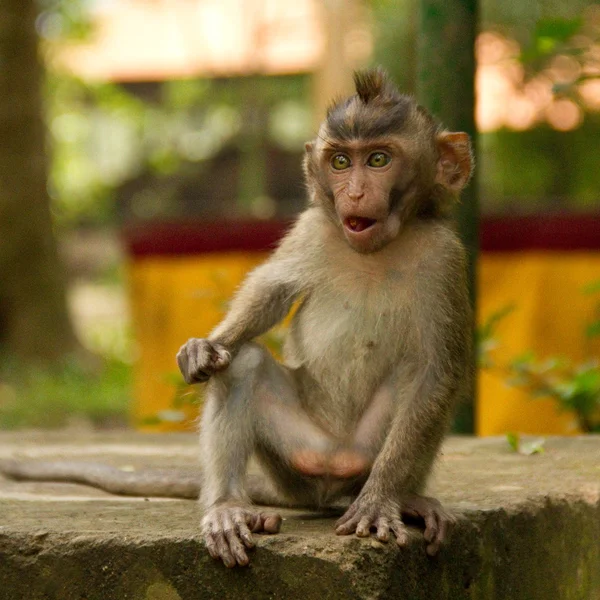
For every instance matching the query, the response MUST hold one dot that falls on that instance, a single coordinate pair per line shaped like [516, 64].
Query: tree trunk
[446, 86]
[34, 320]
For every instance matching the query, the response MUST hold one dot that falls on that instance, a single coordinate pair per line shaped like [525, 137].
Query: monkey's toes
[438, 522]
[267, 523]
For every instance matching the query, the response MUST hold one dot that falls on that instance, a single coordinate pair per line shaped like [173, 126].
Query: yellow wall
[177, 298]
[550, 316]
[173, 299]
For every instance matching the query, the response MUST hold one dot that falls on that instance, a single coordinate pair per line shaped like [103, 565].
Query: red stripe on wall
[498, 234]
[180, 239]
[552, 233]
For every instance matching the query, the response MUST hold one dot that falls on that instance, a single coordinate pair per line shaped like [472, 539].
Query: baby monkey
[378, 351]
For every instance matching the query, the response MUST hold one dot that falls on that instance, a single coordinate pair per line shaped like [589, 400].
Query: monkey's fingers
[210, 541]
[345, 526]
[236, 548]
[352, 509]
[382, 527]
[244, 531]
[267, 523]
[220, 357]
[196, 368]
[182, 363]
[438, 522]
[445, 524]
[222, 551]
[189, 368]
[363, 529]
[398, 528]
[431, 526]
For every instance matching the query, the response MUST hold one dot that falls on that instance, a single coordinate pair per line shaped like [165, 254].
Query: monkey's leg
[252, 405]
[393, 489]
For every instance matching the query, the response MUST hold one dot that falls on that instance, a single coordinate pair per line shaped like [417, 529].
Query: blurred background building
[176, 133]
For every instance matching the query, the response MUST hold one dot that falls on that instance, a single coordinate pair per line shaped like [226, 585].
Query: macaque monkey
[378, 351]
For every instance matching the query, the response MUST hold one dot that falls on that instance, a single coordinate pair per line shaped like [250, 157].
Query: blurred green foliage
[520, 445]
[34, 396]
[593, 329]
[92, 389]
[539, 169]
[104, 135]
[574, 386]
[485, 336]
[65, 19]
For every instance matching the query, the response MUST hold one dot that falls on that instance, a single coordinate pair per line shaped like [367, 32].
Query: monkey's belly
[337, 381]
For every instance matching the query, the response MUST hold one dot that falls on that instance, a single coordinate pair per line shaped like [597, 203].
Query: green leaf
[514, 440]
[566, 391]
[593, 330]
[557, 30]
[594, 287]
[533, 447]
[516, 443]
[588, 380]
[545, 45]
[488, 327]
[523, 361]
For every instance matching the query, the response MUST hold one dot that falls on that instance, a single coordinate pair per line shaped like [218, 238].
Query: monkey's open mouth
[358, 224]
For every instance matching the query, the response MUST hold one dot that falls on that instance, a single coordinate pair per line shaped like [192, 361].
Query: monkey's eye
[379, 159]
[340, 162]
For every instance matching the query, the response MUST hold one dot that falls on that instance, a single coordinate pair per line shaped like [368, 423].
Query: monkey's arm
[425, 394]
[264, 298]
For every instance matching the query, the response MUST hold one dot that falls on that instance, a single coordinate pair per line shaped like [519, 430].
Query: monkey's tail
[170, 484]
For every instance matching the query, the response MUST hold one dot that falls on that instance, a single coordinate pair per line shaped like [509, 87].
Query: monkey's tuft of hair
[374, 83]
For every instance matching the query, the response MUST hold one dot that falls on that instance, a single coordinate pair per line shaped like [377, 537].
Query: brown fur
[378, 352]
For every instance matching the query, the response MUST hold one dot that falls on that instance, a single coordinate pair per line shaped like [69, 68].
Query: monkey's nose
[356, 194]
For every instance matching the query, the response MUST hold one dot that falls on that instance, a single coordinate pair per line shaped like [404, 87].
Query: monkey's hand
[227, 531]
[198, 359]
[385, 516]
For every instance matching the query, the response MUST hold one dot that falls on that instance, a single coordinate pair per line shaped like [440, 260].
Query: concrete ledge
[529, 529]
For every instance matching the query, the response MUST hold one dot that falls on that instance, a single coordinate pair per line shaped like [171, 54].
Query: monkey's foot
[227, 531]
[343, 464]
[438, 522]
[370, 513]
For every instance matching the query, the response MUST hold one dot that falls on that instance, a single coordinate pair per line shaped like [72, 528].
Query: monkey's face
[380, 160]
[363, 180]
[372, 187]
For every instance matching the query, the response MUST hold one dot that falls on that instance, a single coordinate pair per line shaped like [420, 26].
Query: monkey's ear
[308, 147]
[455, 163]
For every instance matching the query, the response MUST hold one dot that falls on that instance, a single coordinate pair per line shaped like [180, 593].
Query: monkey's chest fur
[346, 338]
